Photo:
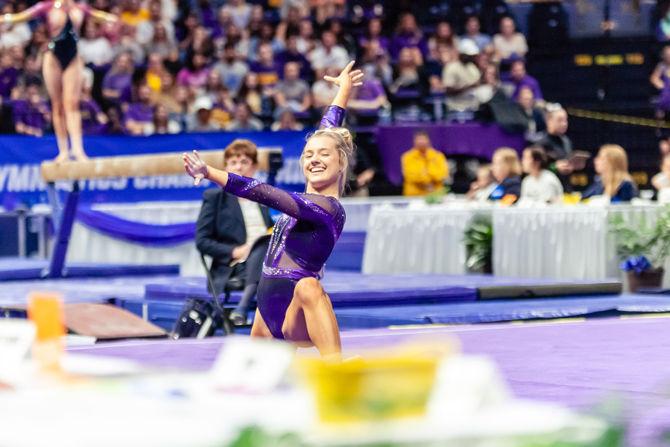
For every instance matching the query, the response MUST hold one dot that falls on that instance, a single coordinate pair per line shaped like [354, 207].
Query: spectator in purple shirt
[32, 115]
[194, 74]
[116, 85]
[9, 75]
[409, 35]
[93, 119]
[518, 78]
[292, 54]
[374, 33]
[139, 116]
[368, 99]
[267, 70]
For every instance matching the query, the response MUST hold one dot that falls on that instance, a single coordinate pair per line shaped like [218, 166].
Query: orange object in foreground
[46, 311]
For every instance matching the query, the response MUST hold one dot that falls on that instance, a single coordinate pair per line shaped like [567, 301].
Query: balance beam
[136, 165]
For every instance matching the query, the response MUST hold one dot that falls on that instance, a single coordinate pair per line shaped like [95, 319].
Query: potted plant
[478, 238]
[642, 249]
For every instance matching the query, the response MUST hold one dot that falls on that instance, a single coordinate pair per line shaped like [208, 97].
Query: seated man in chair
[234, 231]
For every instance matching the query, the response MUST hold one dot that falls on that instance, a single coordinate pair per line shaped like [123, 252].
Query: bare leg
[310, 320]
[71, 95]
[259, 328]
[54, 82]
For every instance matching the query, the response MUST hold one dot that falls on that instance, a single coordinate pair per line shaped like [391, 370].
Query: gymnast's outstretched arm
[99, 15]
[36, 10]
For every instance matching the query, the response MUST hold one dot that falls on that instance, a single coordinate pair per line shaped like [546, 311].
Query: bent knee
[308, 290]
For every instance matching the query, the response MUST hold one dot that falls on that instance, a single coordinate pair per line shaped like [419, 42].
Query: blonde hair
[510, 158]
[344, 144]
[617, 167]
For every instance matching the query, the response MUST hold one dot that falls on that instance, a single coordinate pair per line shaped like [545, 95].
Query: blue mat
[12, 269]
[344, 289]
[502, 310]
[355, 289]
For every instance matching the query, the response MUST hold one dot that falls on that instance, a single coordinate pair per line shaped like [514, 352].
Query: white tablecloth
[418, 239]
[87, 245]
[568, 242]
[564, 242]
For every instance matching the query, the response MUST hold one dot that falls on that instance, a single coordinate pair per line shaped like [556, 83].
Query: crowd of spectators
[171, 66]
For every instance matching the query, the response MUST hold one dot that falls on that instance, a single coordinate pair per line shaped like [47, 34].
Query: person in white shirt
[540, 185]
[509, 43]
[328, 54]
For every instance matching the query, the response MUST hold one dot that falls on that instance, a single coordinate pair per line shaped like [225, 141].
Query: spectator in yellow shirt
[424, 168]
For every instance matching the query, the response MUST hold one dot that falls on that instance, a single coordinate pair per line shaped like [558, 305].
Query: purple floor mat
[13, 269]
[577, 364]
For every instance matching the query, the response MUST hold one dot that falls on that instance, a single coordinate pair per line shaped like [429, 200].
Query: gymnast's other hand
[195, 167]
[347, 78]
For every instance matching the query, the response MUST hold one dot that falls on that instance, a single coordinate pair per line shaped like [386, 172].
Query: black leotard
[64, 45]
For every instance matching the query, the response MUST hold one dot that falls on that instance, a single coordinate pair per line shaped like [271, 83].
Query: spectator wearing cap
[328, 54]
[473, 32]
[461, 77]
[200, 120]
[140, 114]
[509, 43]
[244, 120]
[293, 93]
[518, 78]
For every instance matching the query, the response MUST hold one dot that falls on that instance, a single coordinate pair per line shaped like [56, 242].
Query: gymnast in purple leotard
[292, 305]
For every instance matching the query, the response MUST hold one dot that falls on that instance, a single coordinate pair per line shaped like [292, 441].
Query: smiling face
[321, 163]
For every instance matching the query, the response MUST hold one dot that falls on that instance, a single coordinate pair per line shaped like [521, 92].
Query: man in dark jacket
[234, 231]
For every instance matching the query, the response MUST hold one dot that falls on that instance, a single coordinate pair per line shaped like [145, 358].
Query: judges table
[561, 242]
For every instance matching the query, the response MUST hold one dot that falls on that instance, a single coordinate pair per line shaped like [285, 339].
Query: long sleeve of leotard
[333, 117]
[310, 207]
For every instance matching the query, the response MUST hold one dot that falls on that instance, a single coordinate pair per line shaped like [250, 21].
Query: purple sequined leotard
[302, 240]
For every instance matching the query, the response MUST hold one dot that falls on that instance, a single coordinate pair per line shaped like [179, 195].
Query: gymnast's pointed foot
[62, 157]
[79, 156]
